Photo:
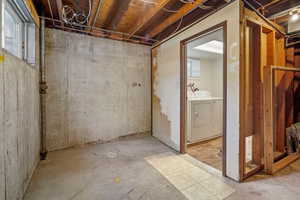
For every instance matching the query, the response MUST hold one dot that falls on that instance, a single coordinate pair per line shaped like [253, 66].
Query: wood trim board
[183, 88]
[32, 10]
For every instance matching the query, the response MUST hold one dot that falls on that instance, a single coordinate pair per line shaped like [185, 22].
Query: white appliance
[205, 119]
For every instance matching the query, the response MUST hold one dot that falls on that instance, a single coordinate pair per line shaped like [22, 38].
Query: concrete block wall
[19, 125]
[99, 89]
[2, 135]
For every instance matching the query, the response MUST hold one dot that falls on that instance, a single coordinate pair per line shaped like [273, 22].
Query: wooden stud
[257, 96]
[271, 49]
[252, 70]
[268, 120]
[242, 142]
[290, 88]
[281, 83]
[185, 9]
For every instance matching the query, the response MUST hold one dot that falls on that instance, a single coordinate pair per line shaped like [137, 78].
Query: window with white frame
[19, 31]
[13, 28]
[30, 44]
[193, 68]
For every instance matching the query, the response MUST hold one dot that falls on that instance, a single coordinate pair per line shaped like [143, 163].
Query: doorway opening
[203, 96]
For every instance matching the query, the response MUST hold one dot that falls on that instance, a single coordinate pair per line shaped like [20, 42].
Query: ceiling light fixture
[213, 46]
[295, 17]
[294, 14]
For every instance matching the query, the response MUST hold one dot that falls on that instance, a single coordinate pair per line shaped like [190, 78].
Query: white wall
[93, 93]
[218, 77]
[166, 85]
[211, 78]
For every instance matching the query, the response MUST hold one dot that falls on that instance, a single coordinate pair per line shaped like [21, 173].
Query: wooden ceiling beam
[280, 6]
[59, 7]
[105, 10]
[264, 8]
[282, 19]
[96, 7]
[118, 9]
[184, 10]
[147, 18]
[269, 4]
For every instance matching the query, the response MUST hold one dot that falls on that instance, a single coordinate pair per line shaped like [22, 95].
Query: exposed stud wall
[94, 92]
[19, 125]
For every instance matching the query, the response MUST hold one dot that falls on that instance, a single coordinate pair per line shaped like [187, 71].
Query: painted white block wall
[167, 85]
[99, 89]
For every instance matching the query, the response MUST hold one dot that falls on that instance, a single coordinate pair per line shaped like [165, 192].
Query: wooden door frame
[183, 88]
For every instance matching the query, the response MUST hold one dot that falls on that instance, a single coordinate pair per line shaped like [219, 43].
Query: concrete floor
[141, 167]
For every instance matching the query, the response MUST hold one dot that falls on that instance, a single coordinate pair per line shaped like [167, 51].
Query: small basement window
[19, 31]
[30, 43]
[13, 31]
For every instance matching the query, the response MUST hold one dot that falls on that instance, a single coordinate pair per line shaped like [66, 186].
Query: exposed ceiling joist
[59, 6]
[132, 18]
[147, 18]
[106, 9]
[119, 8]
[96, 7]
[282, 19]
[185, 9]
[279, 6]
[269, 4]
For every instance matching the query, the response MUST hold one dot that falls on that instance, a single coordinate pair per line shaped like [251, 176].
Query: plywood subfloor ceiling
[141, 21]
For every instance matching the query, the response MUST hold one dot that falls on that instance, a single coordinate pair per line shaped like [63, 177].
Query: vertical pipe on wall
[43, 90]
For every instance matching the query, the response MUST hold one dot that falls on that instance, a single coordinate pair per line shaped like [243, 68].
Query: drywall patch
[161, 124]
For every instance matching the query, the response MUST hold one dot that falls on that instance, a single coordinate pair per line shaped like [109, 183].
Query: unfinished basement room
[150, 100]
